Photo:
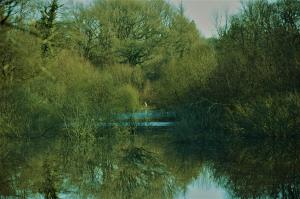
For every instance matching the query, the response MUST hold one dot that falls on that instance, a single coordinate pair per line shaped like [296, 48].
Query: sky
[204, 12]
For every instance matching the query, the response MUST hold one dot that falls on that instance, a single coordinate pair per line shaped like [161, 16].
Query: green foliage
[17, 63]
[113, 54]
[276, 116]
[67, 94]
[127, 99]
[124, 74]
[46, 26]
[182, 79]
[258, 52]
[255, 80]
[115, 31]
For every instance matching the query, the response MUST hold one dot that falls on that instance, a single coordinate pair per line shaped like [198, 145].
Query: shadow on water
[150, 165]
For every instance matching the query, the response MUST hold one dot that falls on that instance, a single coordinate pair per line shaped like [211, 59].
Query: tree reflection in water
[149, 166]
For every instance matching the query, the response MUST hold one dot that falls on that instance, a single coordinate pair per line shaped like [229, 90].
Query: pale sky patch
[204, 12]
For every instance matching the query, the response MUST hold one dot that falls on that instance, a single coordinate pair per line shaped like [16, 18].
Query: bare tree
[9, 8]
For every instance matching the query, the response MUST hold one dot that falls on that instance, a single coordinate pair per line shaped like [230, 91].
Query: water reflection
[149, 166]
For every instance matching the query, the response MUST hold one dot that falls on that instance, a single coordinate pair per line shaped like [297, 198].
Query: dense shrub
[68, 94]
[127, 99]
[111, 55]
[182, 80]
[276, 116]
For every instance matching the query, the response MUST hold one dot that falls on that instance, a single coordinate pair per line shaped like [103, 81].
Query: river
[150, 164]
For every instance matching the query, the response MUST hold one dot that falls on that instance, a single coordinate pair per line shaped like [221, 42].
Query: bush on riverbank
[256, 76]
[110, 55]
[69, 95]
[276, 116]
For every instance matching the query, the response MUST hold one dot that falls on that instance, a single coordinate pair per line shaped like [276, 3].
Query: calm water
[149, 165]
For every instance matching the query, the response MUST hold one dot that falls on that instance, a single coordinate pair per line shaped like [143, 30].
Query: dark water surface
[149, 165]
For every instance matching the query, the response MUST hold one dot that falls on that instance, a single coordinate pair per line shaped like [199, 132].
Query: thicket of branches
[74, 66]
